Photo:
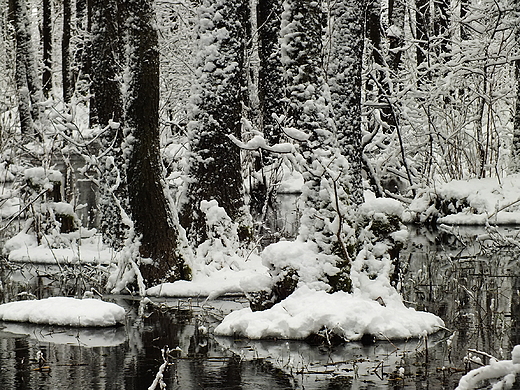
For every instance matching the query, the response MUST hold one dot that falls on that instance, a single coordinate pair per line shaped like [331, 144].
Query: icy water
[471, 284]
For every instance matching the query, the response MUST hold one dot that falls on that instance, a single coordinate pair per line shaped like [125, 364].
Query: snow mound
[64, 311]
[308, 311]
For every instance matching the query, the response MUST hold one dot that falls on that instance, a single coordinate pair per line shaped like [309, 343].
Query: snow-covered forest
[154, 139]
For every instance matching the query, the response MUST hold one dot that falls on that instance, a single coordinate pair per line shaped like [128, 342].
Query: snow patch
[64, 311]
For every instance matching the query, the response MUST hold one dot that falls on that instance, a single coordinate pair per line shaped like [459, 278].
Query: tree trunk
[515, 146]
[396, 16]
[270, 74]
[47, 47]
[345, 86]
[106, 99]
[151, 213]
[214, 163]
[422, 32]
[29, 88]
[106, 104]
[68, 88]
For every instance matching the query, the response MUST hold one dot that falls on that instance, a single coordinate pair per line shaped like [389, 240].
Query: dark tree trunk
[441, 24]
[215, 164]
[381, 74]
[422, 32]
[47, 47]
[150, 209]
[106, 99]
[396, 13]
[270, 74]
[67, 86]
[106, 104]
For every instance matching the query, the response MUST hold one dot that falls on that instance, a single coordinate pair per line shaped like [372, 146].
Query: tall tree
[422, 31]
[396, 18]
[345, 82]
[106, 109]
[47, 47]
[515, 146]
[270, 73]
[66, 73]
[325, 193]
[151, 212]
[214, 161]
[26, 73]
[105, 52]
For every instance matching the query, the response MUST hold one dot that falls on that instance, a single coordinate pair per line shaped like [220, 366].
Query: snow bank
[64, 311]
[73, 249]
[504, 369]
[218, 283]
[307, 311]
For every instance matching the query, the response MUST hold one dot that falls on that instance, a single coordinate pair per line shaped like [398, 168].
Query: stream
[471, 283]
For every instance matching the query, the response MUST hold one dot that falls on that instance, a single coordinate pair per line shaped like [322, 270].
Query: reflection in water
[476, 295]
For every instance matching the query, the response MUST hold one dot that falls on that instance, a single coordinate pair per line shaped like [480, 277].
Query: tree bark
[345, 86]
[215, 163]
[67, 86]
[270, 74]
[151, 212]
[106, 99]
[515, 146]
[47, 47]
[27, 81]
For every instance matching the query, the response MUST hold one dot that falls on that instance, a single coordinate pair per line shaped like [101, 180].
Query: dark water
[471, 284]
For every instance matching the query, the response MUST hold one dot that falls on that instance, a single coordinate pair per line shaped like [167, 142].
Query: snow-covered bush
[500, 375]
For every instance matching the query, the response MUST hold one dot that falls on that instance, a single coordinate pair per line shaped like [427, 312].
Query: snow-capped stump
[64, 311]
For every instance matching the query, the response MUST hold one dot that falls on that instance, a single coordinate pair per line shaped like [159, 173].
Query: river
[472, 284]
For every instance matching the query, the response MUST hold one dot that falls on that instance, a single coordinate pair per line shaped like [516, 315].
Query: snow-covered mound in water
[350, 316]
[64, 311]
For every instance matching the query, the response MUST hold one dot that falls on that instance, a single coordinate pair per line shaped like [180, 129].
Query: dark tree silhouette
[151, 211]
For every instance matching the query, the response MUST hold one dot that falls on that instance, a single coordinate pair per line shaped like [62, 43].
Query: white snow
[64, 311]
[489, 200]
[72, 249]
[307, 311]
[506, 370]
[220, 282]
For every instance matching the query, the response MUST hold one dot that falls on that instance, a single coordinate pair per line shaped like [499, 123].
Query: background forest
[187, 117]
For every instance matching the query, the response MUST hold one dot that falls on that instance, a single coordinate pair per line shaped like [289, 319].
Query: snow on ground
[64, 311]
[24, 248]
[224, 281]
[502, 373]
